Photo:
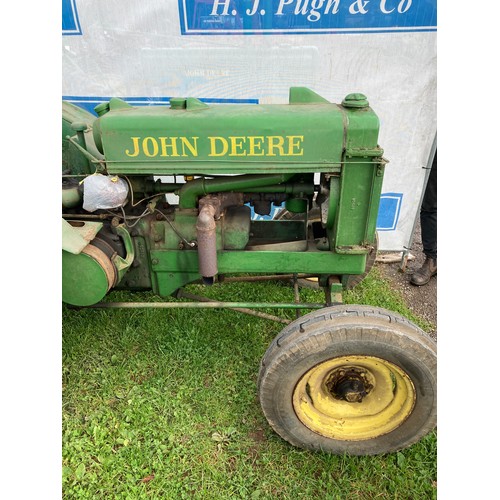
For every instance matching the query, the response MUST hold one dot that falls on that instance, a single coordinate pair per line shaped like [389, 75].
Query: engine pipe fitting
[190, 191]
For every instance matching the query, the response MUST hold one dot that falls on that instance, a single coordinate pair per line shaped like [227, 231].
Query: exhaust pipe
[207, 244]
[211, 207]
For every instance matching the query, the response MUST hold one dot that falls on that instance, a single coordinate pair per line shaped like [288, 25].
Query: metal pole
[406, 251]
[271, 277]
[182, 294]
[203, 305]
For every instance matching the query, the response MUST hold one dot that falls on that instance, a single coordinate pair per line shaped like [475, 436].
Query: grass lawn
[163, 404]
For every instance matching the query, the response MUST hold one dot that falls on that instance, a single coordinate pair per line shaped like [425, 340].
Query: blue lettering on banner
[388, 212]
[70, 21]
[89, 103]
[261, 17]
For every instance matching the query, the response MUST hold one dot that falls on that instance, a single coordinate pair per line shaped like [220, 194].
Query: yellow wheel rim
[353, 398]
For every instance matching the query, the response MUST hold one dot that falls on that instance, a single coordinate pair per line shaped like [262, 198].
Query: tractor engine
[158, 197]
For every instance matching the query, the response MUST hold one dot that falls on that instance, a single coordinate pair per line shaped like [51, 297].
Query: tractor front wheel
[350, 379]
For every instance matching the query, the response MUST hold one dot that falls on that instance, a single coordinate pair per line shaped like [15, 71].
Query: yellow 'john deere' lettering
[217, 146]
[163, 146]
[256, 145]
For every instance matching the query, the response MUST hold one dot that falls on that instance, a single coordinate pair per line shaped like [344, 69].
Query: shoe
[423, 275]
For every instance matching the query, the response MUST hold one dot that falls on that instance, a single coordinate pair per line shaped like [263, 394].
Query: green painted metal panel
[355, 199]
[360, 183]
[166, 264]
[75, 118]
[223, 139]
[362, 132]
[84, 280]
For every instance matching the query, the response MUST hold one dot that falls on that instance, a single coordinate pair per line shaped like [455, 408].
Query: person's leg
[428, 224]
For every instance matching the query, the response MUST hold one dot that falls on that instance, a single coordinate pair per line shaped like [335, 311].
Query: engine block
[195, 176]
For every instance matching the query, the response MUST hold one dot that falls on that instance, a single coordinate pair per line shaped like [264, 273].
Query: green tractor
[158, 197]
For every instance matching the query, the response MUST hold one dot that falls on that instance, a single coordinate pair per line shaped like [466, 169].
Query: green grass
[163, 404]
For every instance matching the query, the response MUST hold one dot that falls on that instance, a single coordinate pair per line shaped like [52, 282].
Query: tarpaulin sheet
[253, 51]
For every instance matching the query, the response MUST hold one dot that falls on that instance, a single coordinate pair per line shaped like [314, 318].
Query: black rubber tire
[348, 330]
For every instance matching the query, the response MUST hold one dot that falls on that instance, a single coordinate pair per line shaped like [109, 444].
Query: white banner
[253, 51]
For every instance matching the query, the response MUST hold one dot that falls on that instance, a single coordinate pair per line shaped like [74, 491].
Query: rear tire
[350, 379]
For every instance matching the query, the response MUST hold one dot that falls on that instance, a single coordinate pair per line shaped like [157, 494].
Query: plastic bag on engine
[103, 192]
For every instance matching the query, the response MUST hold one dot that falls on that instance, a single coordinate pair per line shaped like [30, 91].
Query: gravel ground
[422, 300]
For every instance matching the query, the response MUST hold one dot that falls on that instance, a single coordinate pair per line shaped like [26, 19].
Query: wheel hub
[353, 398]
[349, 384]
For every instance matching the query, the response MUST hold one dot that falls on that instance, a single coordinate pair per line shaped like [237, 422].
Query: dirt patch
[422, 300]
